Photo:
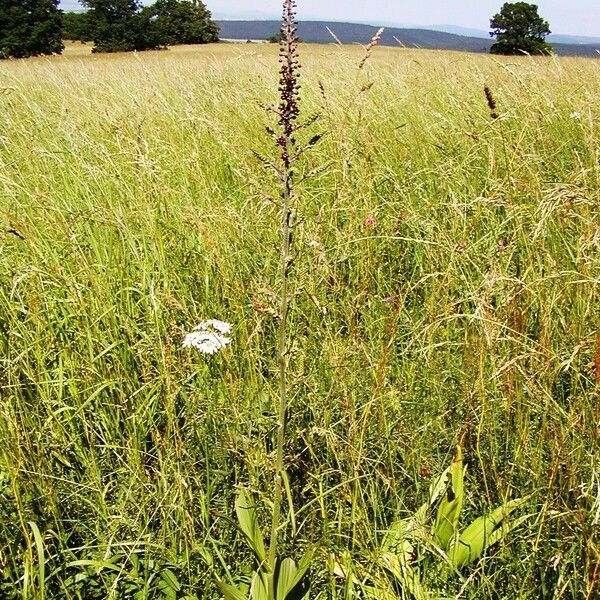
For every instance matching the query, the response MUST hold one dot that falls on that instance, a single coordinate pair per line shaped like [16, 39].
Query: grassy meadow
[446, 290]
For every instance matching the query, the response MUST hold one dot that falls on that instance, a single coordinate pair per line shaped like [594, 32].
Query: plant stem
[286, 242]
[288, 113]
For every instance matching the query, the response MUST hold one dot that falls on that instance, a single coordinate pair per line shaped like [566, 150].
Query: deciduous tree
[30, 28]
[518, 28]
[122, 25]
[76, 26]
[183, 22]
[119, 26]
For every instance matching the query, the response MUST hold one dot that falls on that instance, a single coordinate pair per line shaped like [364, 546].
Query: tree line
[38, 27]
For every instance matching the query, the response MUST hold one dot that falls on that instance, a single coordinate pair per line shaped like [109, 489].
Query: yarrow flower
[208, 337]
[214, 324]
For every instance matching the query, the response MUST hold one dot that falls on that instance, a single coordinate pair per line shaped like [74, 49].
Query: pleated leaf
[480, 534]
[285, 577]
[230, 592]
[448, 513]
[404, 574]
[249, 525]
[260, 586]
[291, 578]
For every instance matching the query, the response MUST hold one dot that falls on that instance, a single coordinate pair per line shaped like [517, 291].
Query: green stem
[286, 243]
[288, 113]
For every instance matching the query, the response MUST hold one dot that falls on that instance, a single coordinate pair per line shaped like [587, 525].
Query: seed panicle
[289, 86]
[491, 102]
[369, 49]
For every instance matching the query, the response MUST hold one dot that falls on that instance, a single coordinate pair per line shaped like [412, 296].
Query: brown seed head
[491, 102]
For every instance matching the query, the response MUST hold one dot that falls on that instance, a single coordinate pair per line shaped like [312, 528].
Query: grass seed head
[369, 49]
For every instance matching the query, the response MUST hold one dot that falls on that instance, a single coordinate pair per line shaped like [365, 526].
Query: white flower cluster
[208, 337]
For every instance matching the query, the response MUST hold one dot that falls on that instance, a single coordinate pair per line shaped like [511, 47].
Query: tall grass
[450, 266]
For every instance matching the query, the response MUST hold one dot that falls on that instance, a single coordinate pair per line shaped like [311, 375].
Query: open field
[447, 277]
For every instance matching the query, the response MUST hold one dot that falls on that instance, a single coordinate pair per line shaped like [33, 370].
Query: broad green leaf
[170, 580]
[285, 578]
[259, 590]
[505, 528]
[403, 528]
[249, 525]
[403, 533]
[396, 539]
[230, 592]
[438, 487]
[448, 513]
[295, 588]
[404, 574]
[206, 555]
[392, 563]
[478, 535]
[39, 546]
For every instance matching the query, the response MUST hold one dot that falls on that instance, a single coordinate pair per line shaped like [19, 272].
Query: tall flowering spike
[288, 114]
[288, 81]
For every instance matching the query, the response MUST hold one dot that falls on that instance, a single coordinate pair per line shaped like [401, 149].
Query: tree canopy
[121, 25]
[30, 28]
[118, 26]
[518, 28]
[76, 26]
[182, 22]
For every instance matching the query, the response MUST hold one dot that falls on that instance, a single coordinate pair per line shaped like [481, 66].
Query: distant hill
[353, 33]
[553, 38]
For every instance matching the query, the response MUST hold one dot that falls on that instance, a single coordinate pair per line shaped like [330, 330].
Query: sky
[573, 17]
